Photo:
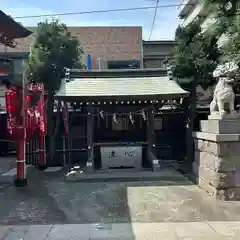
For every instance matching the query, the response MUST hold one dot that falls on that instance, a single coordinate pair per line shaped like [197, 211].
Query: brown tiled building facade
[104, 44]
[156, 52]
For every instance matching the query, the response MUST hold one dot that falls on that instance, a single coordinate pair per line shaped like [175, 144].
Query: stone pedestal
[217, 157]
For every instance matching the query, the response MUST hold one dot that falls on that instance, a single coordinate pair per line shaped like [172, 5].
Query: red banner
[10, 98]
[39, 113]
[34, 116]
[15, 123]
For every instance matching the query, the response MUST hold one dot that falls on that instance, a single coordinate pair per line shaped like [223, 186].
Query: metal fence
[32, 150]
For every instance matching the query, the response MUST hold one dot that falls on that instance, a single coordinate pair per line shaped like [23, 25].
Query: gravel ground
[48, 199]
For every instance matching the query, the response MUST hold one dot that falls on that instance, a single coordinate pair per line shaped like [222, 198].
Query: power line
[101, 11]
[181, 4]
[154, 19]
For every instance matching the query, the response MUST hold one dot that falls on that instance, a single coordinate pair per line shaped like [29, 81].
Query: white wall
[196, 11]
[208, 22]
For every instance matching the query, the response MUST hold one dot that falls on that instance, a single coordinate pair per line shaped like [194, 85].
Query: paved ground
[50, 200]
[7, 163]
[134, 231]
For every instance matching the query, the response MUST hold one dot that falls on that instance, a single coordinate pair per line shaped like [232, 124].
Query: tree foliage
[195, 57]
[192, 62]
[224, 12]
[232, 49]
[53, 50]
[227, 15]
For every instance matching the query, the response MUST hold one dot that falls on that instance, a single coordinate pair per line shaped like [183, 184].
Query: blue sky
[165, 25]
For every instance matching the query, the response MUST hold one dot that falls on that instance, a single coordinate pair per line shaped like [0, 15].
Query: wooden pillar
[90, 127]
[151, 151]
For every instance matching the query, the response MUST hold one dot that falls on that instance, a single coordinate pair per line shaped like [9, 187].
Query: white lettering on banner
[121, 156]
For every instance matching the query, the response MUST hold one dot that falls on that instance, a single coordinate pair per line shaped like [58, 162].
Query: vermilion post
[21, 164]
[21, 179]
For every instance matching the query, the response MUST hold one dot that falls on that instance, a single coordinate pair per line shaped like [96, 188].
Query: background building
[156, 52]
[108, 47]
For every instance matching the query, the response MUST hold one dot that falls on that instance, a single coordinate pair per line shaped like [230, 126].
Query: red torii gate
[24, 119]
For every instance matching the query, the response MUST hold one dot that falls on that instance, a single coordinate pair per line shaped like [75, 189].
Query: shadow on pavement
[48, 199]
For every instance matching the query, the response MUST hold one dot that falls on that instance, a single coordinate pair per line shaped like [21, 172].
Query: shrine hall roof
[131, 85]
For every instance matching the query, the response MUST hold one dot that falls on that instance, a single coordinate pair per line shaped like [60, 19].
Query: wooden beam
[151, 131]
[90, 127]
[90, 99]
[125, 108]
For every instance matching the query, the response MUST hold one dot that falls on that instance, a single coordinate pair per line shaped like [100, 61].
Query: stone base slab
[216, 137]
[217, 116]
[226, 126]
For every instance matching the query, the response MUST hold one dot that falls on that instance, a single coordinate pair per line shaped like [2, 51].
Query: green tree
[227, 16]
[192, 63]
[224, 12]
[53, 50]
[232, 49]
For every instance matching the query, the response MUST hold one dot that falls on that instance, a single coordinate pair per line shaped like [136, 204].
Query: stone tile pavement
[50, 208]
[125, 231]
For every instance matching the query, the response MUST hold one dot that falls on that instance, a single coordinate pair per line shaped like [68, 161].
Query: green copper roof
[120, 87]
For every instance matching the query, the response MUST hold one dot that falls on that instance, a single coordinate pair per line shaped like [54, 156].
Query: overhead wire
[100, 11]
[154, 19]
[181, 4]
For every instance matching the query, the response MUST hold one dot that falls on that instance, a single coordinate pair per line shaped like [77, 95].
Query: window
[128, 64]
[154, 63]
[122, 124]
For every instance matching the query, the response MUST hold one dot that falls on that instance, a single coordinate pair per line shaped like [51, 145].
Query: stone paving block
[112, 231]
[69, 231]
[37, 232]
[230, 229]
[192, 229]
[3, 231]
[16, 232]
[145, 231]
[122, 230]
[209, 237]
[111, 238]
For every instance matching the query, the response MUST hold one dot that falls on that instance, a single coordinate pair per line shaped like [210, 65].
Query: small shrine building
[117, 113]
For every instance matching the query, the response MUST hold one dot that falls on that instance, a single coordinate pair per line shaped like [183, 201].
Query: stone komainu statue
[223, 98]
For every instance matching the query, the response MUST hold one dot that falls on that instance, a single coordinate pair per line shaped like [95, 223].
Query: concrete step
[124, 175]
